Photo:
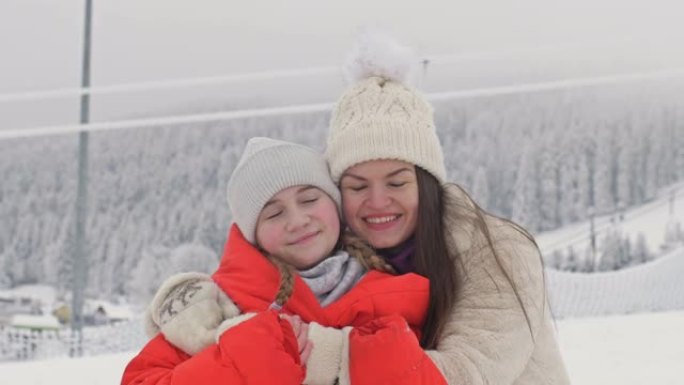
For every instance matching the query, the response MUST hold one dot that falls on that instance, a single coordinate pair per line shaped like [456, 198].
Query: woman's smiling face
[380, 201]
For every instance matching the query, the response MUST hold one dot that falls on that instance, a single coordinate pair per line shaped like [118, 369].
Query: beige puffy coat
[487, 338]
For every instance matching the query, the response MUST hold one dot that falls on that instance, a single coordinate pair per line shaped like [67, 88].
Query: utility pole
[621, 211]
[80, 262]
[673, 196]
[425, 62]
[592, 234]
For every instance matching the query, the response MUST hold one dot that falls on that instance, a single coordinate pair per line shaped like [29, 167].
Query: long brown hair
[434, 259]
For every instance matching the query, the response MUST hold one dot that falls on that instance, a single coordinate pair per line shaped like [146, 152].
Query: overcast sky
[142, 40]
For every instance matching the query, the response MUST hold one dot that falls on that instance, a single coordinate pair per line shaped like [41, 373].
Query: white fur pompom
[376, 53]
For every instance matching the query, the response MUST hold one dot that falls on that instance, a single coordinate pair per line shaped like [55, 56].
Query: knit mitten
[329, 360]
[187, 309]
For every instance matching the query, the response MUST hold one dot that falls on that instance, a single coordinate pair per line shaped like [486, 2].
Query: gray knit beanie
[268, 166]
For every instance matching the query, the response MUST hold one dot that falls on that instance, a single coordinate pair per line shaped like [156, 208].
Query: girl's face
[380, 201]
[300, 225]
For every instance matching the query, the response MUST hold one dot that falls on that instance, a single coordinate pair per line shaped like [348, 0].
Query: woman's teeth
[377, 220]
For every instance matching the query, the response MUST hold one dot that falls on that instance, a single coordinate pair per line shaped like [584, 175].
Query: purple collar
[400, 257]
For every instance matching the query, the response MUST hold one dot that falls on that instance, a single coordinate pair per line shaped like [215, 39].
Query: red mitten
[386, 351]
[264, 350]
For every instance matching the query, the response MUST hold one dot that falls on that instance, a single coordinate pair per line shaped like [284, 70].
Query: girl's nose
[297, 220]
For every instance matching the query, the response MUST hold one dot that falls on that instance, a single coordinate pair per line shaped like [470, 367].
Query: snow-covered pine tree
[192, 257]
[571, 262]
[525, 206]
[650, 168]
[672, 237]
[588, 263]
[625, 169]
[679, 144]
[584, 183]
[568, 195]
[149, 273]
[611, 249]
[625, 255]
[5, 279]
[548, 188]
[602, 177]
[556, 260]
[640, 251]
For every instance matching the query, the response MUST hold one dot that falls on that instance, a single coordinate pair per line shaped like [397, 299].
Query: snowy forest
[157, 195]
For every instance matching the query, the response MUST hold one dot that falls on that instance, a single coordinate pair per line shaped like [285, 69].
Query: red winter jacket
[263, 350]
[230, 361]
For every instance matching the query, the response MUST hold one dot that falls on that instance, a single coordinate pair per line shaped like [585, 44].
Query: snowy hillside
[649, 287]
[541, 159]
[650, 219]
[652, 286]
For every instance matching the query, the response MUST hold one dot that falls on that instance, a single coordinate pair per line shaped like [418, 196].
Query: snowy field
[625, 350]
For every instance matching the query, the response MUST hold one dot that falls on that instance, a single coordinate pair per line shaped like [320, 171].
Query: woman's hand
[301, 331]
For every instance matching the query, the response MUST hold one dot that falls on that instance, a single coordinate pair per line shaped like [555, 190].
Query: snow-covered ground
[98, 370]
[625, 350]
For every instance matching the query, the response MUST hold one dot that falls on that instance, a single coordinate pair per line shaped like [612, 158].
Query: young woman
[283, 253]
[488, 319]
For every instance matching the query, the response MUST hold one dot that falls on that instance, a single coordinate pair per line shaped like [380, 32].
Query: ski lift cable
[164, 84]
[320, 107]
[163, 121]
[264, 75]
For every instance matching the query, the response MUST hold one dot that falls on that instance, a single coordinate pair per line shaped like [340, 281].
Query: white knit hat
[268, 166]
[380, 117]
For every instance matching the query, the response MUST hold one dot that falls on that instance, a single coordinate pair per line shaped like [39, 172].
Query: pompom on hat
[268, 166]
[381, 117]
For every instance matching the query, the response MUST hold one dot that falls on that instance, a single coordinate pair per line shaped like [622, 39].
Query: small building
[98, 312]
[26, 299]
[35, 322]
